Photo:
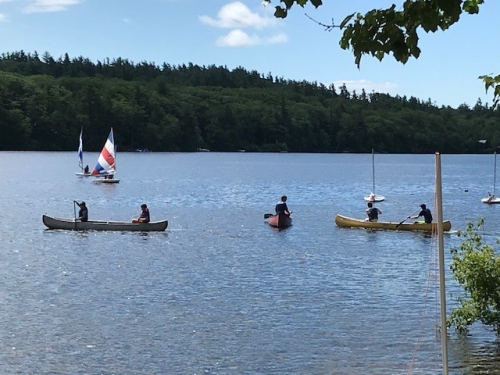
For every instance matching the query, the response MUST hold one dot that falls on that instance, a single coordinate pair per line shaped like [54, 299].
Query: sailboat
[106, 163]
[491, 199]
[85, 171]
[374, 197]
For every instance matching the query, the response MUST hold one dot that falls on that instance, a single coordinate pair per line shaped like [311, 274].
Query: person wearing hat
[83, 214]
[426, 213]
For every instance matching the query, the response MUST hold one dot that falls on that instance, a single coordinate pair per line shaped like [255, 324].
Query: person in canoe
[83, 214]
[144, 216]
[425, 213]
[372, 213]
[281, 207]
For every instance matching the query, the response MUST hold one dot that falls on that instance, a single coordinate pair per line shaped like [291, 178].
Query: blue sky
[244, 33]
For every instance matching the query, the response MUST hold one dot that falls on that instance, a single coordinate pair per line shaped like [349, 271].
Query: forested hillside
[44, 102]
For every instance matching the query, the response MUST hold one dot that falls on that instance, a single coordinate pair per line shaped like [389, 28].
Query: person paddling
[281, 207]
[425, 212]
[83, 214]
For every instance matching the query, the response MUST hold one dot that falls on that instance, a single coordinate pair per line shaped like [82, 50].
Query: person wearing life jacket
[281, 207]
[372, 212]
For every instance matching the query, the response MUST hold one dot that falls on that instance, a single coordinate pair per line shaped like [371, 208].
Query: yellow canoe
[349, 222]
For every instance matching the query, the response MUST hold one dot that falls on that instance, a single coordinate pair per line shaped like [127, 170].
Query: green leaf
[346, 20]
[280, 12]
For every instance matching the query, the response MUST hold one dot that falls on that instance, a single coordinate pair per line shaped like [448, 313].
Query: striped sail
[80, 151]
[106, 161]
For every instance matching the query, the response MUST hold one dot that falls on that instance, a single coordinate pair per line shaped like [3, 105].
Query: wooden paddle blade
[267, 216]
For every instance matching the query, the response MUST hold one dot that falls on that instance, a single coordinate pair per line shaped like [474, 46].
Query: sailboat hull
[491, 201]
[105, 181]
[376, 198]
[81, 174]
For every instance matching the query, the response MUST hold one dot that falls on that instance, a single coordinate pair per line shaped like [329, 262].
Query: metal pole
[373, 170]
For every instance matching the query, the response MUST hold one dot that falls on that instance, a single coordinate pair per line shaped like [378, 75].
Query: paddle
[407, 218]
[74, 209]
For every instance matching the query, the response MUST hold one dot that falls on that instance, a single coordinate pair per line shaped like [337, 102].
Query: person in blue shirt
[144, 217]
[281, 207]
[83, 214]
[426, 213]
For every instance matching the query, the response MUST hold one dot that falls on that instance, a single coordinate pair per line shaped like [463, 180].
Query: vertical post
[495, 174]
[442, 286]
[74, 209]
[373, 171]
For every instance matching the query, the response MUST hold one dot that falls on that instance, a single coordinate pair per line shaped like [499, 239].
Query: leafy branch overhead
[381, 32]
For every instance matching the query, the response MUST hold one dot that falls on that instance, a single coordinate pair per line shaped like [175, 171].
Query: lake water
[220, 292]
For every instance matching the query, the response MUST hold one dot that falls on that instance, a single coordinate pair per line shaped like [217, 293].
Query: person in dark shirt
[372, 212]
[425, 213]
[86, 169]
[83, 214]
[144, 217]
[281, 207]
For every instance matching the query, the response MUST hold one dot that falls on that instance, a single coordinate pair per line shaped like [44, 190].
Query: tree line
[44, 102]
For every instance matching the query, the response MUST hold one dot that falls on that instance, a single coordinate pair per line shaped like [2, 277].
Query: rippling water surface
[220, 292]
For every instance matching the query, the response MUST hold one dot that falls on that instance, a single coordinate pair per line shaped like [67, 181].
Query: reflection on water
[221, 292]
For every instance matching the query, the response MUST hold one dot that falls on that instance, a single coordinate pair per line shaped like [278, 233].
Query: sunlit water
[220, 292]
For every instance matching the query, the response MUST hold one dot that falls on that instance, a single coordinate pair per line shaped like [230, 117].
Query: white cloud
[278, 38]
[3, 17]
[238, 38]
[126, 20]
[383, 87]
[237, 15]
[49, 5]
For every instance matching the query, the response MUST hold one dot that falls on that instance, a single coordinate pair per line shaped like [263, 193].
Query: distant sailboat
[106, 163]
[374, 197]
[85, 172]
[491, 199]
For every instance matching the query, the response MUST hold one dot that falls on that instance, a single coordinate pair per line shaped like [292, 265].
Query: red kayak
[280, 221]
